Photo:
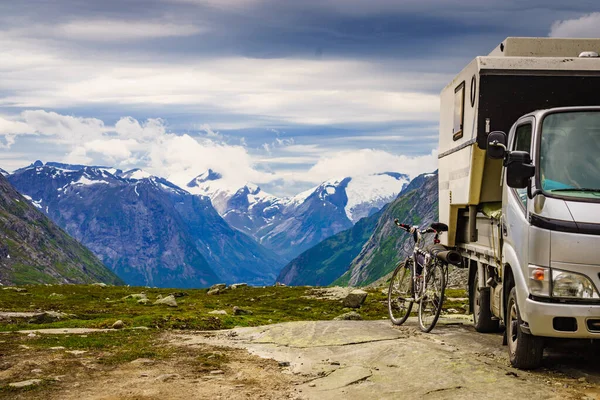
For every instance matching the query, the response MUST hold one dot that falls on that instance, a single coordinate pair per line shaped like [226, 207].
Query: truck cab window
[459, 111]
[523, 143]
[569, 162]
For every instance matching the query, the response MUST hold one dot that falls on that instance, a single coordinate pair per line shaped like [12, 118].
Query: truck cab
[519, 187]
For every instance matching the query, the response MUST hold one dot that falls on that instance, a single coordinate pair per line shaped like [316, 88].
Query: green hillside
[416, 205]
[325, 262]
[34, 250]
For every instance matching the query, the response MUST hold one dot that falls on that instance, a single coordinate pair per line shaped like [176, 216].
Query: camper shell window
[459, 111]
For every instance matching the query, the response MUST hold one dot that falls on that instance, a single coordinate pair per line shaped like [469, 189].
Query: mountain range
[34, 250]
[144, 228]
[290, 225]
[150, 231]
[372, 247]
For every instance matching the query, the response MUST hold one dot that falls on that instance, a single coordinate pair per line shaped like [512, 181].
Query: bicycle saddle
[440, 227]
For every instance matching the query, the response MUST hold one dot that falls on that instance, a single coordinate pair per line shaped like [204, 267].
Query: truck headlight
[539, 280]
[572, 285]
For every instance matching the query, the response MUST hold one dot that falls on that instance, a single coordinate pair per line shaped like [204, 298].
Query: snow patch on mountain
[84, 180]
[136, 174]
[366, 193]
[37, 204]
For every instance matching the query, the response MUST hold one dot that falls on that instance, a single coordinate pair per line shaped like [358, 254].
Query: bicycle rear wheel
[400, 293]
[431, 302]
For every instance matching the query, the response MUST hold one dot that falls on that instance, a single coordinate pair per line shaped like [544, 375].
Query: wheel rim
[399, 295]
[431, 304]
[512, 327]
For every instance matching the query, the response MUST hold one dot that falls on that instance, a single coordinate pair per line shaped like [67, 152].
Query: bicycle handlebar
[409, 228]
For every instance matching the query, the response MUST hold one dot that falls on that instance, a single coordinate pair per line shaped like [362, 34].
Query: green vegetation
[327, 261]
[95, 306]
[99, 307]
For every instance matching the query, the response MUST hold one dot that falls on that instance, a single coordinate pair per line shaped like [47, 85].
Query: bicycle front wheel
[400, 293]
[430, 306]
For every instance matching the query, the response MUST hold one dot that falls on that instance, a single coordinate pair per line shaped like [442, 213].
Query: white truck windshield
[570, 154]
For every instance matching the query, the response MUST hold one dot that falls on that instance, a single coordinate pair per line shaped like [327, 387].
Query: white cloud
[303, 91]
[366, 162]
[66, 127]
[180, 158]
[587, 26]
[78, 156]
[115, 30]
[10, 127]
[129, 127]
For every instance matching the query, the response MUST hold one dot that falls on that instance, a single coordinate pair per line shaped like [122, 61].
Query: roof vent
[588, 54]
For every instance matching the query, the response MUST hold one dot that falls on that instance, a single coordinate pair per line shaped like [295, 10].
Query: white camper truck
[519, 188]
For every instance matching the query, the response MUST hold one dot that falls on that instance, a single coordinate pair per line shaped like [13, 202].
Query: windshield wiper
[576, 190]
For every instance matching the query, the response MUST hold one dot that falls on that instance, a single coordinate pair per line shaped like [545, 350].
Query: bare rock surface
[364, 359]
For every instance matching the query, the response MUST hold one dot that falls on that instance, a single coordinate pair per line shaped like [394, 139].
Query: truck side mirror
[496, 145]
[519, 169]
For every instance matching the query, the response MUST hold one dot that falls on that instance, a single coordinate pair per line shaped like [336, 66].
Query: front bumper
[541, 319]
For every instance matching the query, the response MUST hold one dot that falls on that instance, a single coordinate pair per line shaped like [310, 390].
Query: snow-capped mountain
[145, 228]
[291, 225]
[3, 172]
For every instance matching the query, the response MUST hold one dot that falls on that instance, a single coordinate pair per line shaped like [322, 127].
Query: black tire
[525, 351]
[400, 293]
[431, 303]
[482, 310]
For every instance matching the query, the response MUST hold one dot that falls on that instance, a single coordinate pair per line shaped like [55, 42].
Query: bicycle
[424, 284]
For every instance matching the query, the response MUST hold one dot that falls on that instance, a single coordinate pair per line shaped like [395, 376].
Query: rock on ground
[238, 285]
[240, 311]
[355, 299]
[118, 325]
[218, 312]
[349, 316]
[22, 384]
[138, 296]
[169, 301]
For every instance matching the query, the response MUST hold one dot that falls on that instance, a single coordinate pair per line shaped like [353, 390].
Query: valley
[152, 232]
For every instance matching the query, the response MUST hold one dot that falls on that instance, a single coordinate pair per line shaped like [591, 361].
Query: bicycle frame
[419, 281]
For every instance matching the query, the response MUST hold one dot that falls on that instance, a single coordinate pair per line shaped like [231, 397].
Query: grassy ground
[99, 307]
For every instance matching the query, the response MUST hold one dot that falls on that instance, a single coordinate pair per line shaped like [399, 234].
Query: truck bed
[484, 244]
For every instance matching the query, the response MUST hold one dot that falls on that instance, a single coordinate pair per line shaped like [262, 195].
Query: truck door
[515, 218]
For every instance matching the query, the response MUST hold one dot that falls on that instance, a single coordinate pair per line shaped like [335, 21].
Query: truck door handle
[504, 229]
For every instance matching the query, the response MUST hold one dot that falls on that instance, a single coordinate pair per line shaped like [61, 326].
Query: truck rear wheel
[482, 308]
[525, 350]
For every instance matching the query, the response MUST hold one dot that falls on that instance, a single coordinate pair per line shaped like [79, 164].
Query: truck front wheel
[525, 350]
[482, 310]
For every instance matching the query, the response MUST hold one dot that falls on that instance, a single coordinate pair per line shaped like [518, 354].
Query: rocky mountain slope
[146, 229]
[327, 261]
[289, 226]
[371, 247]
[34, 250]
[417, 205]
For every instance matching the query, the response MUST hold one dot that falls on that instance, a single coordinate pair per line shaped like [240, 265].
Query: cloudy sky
[282, 93]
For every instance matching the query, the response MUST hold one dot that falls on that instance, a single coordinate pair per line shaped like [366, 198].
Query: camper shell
[519, 189]
[518, 77]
